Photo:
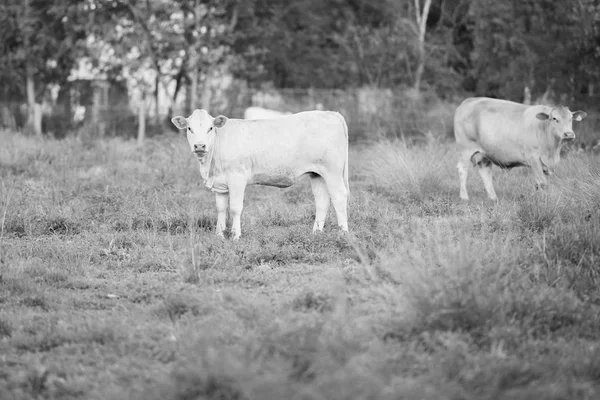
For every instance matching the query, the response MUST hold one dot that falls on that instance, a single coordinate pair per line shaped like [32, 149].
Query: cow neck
[550, 146]
[554, 150]
[207, 167]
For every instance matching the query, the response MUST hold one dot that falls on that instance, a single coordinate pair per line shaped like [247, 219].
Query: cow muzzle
[568, 135]
[199, 150]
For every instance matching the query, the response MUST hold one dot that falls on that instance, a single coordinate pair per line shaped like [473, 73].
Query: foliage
[46, 35]
[489, 47]
[539, 43]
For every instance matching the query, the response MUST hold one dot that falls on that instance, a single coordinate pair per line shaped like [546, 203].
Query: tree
[318, 43]
[179, 40]
[545, 45]
[421, 15]
[41, 42]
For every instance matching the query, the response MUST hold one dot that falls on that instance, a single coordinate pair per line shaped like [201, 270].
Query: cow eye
[555, 119]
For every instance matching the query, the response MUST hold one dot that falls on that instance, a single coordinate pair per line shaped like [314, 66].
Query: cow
[262, 113]
[507, 134]
[233, 153]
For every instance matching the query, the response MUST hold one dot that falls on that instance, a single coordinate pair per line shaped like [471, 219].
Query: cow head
[200, 128]
[560, 121]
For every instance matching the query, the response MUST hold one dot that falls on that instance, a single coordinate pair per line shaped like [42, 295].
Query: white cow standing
[492, 131]
[234, 153]
[262, 113]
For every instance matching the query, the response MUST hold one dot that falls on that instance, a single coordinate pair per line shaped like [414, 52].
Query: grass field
[113, 285]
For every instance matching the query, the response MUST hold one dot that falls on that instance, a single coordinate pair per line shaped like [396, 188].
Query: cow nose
[199, 147]
[569, 135]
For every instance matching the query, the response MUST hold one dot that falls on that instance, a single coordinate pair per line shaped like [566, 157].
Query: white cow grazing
[491, 131]
[262, 113]
[234, 153]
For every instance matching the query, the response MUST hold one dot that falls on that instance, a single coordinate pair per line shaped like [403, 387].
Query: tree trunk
[421, 17]
[206, 95]
[178, 81]
[34, 116]
[142, 120]
[193, 69]
[193, 93]
[527, 96]
[156, 94]
[34, 112]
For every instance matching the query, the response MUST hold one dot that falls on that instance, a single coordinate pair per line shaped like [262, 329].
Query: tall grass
[410, 174]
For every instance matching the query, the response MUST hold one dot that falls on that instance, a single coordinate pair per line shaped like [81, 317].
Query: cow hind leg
[485, 172]
[339, 198]
[319, 189]
[464, 163]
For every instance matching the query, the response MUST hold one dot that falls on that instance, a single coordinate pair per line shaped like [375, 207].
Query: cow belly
[507, 164]
[277, 180]
[505, 153]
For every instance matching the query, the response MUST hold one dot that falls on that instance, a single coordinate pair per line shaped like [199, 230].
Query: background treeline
[450, 48]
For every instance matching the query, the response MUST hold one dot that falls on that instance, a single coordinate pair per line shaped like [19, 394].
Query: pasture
[114, 286]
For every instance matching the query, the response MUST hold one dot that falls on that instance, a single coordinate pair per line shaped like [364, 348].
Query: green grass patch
[114, 285]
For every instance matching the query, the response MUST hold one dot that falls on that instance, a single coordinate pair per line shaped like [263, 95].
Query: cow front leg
[222, 200]
[236, 204]
[538, 174]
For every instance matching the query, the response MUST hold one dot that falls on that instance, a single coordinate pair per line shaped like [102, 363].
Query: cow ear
[579, 115]
[542, 116]
[220, 121]
[180, 122]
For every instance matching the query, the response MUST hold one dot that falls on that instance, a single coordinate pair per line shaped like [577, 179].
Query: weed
[36, 301]
[312, 301]
[537, 213]
[178, 305]
[61, 226]
[6, 329]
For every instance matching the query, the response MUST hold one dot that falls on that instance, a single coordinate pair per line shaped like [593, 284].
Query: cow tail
[347, 147]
